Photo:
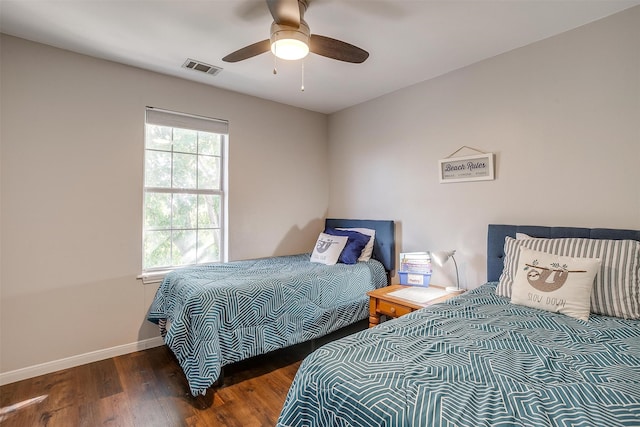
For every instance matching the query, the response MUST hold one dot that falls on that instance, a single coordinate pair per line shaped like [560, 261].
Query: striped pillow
[616, 289]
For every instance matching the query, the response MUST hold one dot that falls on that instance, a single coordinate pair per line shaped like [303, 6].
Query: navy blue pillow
[355, 244]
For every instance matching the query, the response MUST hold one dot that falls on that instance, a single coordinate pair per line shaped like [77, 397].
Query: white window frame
[156, 116]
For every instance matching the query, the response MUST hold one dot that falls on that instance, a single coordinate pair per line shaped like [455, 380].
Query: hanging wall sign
[478, 167]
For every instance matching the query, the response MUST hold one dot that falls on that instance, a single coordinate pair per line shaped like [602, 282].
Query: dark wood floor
[149, 389]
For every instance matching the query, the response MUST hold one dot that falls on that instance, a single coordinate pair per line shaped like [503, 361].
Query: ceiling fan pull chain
[302, 86]
[275, 60]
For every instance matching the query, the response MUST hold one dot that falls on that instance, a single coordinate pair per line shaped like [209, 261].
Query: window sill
[153, 277]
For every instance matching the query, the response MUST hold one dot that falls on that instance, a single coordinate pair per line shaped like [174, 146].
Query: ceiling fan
[291, 38]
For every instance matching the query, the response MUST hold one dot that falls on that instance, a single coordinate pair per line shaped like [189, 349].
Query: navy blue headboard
[497, 233]
[384, 246]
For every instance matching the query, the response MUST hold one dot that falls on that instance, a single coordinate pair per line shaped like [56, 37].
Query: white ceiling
[408, 41]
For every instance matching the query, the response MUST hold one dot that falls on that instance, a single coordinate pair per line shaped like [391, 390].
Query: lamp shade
[441, 257]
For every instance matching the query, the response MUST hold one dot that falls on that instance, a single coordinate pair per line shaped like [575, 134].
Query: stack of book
[415, 268]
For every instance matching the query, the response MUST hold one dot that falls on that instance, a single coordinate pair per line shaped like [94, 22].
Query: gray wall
[72, 175]
[562, 117]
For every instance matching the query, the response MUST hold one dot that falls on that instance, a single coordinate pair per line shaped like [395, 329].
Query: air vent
[202, 67]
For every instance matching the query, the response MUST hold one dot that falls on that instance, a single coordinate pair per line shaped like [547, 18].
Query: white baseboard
[80, 359]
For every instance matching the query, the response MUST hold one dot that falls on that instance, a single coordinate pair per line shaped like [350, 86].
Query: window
[184, 196]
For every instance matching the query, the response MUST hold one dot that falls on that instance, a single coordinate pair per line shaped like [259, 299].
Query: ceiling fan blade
[336, 49]
[248, 51]
[285, 12]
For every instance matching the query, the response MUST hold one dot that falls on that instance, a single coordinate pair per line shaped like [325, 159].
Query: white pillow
[328, 249]
[617, 287]
[555, 283]
[367, 252]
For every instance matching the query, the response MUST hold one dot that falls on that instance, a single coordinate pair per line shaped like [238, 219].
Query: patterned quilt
[475, 360]
[224, 313]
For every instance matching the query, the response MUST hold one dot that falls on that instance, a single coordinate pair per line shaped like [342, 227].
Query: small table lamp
[441, 257]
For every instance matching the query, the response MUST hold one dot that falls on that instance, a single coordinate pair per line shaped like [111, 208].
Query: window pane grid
[183, 197]
[181, 190]
[183, 152]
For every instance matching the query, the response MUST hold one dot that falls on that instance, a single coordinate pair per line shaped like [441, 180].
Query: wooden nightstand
[381, 303]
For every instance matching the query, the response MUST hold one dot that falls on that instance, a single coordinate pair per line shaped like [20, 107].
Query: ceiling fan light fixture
[290, 43]
[290, 49]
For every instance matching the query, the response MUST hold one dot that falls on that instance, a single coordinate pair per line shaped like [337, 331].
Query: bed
[480, 360]
[214, 315]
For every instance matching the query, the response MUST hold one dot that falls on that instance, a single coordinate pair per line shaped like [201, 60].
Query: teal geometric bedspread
[475, 360]
[224, 313]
